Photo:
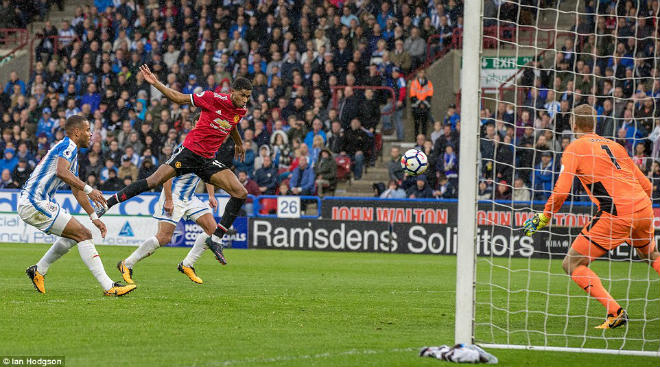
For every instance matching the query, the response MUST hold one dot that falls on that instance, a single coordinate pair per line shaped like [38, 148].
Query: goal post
[524, 67]
[467, 195]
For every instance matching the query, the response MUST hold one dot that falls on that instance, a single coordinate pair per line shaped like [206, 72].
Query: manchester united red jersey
[218, 118]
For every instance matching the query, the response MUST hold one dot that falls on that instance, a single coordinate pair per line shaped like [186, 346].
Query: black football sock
[231, 212]
[128, 192]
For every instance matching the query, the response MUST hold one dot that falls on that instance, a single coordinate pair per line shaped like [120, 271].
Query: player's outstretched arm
[81, 197]
[62, 171]
[556, 200]
[171, 94]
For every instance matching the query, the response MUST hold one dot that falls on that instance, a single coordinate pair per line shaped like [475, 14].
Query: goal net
[537, 60]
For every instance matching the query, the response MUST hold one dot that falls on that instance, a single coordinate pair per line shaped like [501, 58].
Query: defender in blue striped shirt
[37, 208]
[178, 200]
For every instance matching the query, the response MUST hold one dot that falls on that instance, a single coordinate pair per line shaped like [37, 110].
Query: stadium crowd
[295, 52]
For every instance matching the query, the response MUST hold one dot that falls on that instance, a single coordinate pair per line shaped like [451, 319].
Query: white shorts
[190, 209]
[46, 216]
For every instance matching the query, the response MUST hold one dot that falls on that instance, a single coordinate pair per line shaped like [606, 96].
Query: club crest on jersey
[236, 118]
[221, 124]
[177, 164]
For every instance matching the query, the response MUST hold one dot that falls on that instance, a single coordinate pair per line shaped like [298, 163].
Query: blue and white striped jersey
[43, 182]
[183, 187]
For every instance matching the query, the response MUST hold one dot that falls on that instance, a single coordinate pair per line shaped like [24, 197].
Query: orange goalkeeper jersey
[610, 177]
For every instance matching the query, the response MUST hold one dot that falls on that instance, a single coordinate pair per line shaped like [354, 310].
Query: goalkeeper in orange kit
[621, 192]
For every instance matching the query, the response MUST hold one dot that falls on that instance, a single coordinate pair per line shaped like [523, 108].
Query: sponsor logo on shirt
[220, 96]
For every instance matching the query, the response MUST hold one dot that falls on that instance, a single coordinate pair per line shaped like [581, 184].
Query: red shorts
[606, 232]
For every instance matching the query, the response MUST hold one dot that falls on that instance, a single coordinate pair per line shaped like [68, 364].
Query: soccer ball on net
[414, 162]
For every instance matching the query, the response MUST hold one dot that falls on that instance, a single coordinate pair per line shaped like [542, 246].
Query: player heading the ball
[220, 114]
[621, 192]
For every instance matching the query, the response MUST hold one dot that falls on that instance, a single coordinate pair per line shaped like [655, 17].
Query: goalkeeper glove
[533, 224]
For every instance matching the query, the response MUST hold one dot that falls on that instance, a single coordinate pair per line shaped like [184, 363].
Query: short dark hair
[74, 121]
[241, 83]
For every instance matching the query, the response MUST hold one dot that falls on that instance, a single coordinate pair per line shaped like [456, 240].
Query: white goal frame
[464, 331]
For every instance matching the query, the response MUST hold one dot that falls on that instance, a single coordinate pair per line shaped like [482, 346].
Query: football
[414, 162]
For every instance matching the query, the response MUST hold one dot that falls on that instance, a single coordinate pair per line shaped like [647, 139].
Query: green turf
[267, 308]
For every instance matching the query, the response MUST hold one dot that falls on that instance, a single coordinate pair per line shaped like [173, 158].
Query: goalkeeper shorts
[606, 232]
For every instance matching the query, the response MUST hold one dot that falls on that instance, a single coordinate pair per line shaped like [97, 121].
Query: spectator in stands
[302, 178]
[437, 132]
[348, 108]
[336, 139]
[485, 191]
[105, 172]
[398, 83]
[393, 191]
[544, 176]
[356, 143]
[395, 171]
[317, 129]
[502, 191]
[326, 173]
[264, 151]
[420, 190]
[416, 47]
[246, 164]
[147, 167]
[446, 190]
[112, 183]
[6, 181]
[452, 117]
[369, 113]
[91, 98]
[449, 164]
[400, 57]
[282, 153]
[21, 172]
[9, 161]
[14, 80]
[23, 152]
[46, 124]
[127, 168]
[266, 177]
[520, 190]
[421, 94]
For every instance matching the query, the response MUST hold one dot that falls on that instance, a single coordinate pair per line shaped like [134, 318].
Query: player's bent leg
[77, 232]
[576, 264]
[162, 174]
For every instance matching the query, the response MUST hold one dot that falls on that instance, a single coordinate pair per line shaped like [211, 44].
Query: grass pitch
[266, 308]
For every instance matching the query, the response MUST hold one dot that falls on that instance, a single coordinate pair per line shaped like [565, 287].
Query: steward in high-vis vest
[421, 92]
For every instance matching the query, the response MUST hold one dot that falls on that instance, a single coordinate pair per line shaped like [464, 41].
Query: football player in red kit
[220, 113]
